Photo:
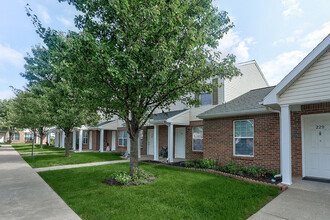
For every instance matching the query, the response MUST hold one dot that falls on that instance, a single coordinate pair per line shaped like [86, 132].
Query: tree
[44, 71]
[134, 56]
[7, 121]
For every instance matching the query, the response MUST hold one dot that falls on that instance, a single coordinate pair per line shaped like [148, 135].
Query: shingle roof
[244, 104]
[166, 115]
[103, 123]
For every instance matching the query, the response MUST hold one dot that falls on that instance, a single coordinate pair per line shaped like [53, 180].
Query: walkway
[303, 200]
[79, 165]
[24, 194]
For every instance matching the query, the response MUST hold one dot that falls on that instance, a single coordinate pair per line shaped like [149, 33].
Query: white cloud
[6, 94]
[233, 43]
[65, 21]
[276, 69]
[312, 39]
[10, 56]
[291, 7]
[44, 14]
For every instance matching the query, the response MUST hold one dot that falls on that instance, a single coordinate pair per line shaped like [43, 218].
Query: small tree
[7, 121]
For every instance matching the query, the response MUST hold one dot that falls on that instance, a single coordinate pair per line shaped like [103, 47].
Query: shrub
[189, 163]
[201, 163]
[121, 177]
[140, 176]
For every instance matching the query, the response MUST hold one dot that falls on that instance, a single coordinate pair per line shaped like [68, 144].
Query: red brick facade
[218, 141]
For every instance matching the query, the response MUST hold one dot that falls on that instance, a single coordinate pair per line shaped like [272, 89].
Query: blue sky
[278, 34]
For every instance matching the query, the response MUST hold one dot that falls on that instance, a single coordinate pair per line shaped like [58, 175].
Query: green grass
[76, 158]
[20, 148]
[176, 194]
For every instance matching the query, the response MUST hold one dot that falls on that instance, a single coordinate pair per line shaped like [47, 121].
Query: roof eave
[239, 113]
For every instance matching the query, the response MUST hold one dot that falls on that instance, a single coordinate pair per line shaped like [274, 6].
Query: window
[28, 137]
[197, 140]
[122, 138]
[244, 138]
[15, 137]
[206, 99]
[85, 137]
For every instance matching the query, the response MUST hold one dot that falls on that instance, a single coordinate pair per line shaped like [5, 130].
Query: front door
[2, 138]
[150, 142]
[317, 145]
[180, 143]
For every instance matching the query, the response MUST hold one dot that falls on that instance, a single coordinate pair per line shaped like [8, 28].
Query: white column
[56, 139]
[285, 130]
[113, 144]
[80, 139]
[156, 141]
[170, 143]
[90, 139]
[62, 139]
[74, 139]
[48, 138]
[128, 144]
[139, 145]
[101, 139]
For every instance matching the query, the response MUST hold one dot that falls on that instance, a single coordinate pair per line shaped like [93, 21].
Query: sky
[278, 34]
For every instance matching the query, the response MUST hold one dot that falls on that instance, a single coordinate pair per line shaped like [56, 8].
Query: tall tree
[7, 121]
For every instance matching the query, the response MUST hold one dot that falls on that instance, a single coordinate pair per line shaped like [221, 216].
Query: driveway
[24, 194]
[303, 200]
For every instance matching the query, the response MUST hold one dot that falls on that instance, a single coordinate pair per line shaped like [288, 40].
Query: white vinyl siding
[313, 85]
[251, 78]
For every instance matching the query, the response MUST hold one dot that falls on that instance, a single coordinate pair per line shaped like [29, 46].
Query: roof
[272, 97]
[166, 115]
[256, 64]
[245, 104]
[103, 123]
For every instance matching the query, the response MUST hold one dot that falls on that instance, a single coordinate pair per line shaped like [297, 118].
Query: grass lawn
[56, 156]
[176, 194]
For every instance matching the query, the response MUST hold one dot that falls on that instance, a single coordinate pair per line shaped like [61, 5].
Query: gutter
[239, 113]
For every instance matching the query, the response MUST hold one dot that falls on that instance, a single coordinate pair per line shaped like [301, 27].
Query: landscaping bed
[234, 170]
[176, 194]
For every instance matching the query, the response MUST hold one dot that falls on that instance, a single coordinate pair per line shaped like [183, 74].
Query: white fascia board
[170, 120]
[240, 113]
[272, 97]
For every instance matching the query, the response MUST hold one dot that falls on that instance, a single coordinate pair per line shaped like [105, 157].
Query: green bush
[189, 163]
[140, 176]
[201, 163]
[121, 177]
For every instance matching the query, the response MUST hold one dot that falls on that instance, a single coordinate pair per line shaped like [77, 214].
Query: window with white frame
[28, 137]
[15, 137]
[85, 137]
[197, 138]
[122, 138]
[244, 138]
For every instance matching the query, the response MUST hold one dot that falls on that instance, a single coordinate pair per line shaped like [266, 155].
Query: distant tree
[7, 121]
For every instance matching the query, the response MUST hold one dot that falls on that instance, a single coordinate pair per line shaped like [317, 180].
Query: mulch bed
[266, 180]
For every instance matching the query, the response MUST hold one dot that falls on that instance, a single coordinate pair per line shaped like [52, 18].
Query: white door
[180, 143]
[316, 142]
[113, 141]
[2, 138]
[150, 142]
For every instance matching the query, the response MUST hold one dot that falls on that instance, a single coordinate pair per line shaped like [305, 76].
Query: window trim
[234, 146]
[85, 138]
[30, 135]
[192, 139]
[123, 139]
[13, 137]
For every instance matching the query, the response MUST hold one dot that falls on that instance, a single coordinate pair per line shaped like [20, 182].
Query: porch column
[90, 139]
[80, 139]
[286, 145]
[128, 144]
[62, 139]
[101, 139]
[139, 145]
[74, 139]
[156, 141]
[56, 139]
[170, 143]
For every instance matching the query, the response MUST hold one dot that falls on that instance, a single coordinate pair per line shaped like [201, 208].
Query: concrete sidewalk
[70, 166]
[24, 194]
[303, 200]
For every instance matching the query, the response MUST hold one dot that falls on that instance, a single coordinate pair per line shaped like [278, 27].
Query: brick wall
[218, 141]
[296, 141]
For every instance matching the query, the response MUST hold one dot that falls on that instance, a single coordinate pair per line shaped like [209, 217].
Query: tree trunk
[10, 137]
[68, 143]
[134, 156]
[34, 139]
